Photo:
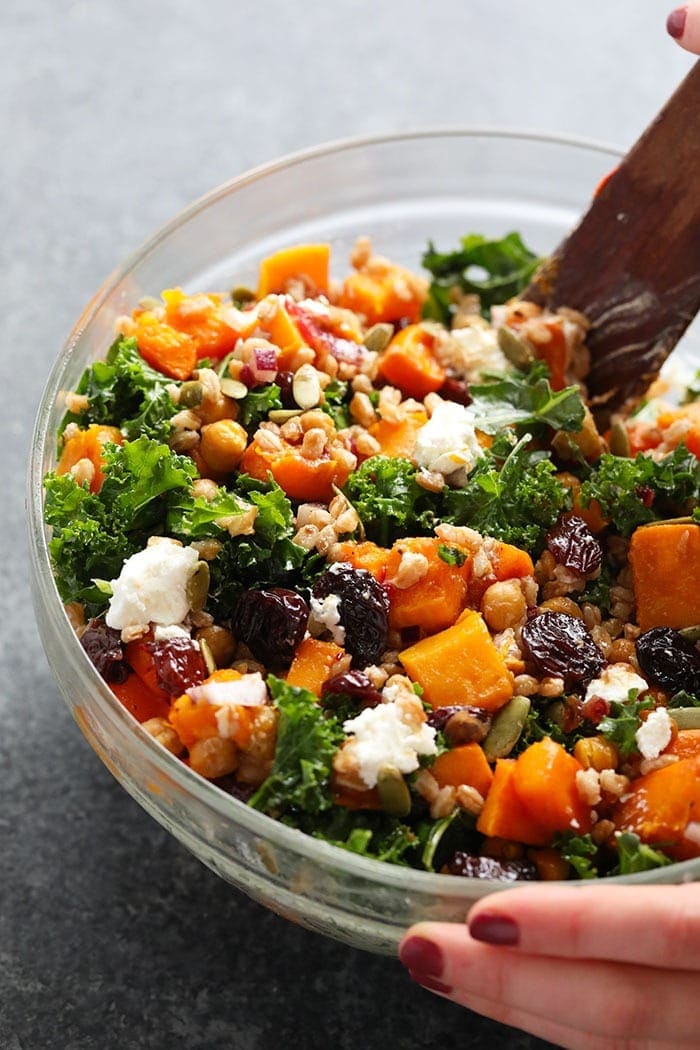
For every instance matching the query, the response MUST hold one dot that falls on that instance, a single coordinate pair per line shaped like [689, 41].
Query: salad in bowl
[355, 551]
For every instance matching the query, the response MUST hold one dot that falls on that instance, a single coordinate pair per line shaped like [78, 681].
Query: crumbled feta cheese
[152, 586]
[247, 691]
[173, 630]
[615, 683]
[386, 735]
[654, 735]
[227, 696]
[471, 350]
[325, 616]
[447, 443]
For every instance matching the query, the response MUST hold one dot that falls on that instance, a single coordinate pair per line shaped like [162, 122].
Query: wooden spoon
[632, 265]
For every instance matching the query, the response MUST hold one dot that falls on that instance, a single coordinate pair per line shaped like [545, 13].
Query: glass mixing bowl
[401, 191]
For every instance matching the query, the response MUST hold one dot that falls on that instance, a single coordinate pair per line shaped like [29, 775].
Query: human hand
[683, 25]
[596, 967]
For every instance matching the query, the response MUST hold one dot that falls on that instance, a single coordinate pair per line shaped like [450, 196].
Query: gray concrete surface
[113, 115]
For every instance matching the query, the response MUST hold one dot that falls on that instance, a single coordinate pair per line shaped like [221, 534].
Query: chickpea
[503, 605]
[562, 604]
[596, 752]
[221, 644]
[222, 445]
[161, 730]
[213, 757]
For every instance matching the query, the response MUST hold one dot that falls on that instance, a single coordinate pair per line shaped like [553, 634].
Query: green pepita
[191, 394]
[687, 520]
[686, 717]
[619, 440]
[378, 337]
[241, 294]
[507, 726]
[197, 588]
[515, 349]
[207, 656]
[393, 792]
[692, 634]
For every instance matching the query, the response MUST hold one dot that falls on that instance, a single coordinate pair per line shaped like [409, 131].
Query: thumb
[683, 25]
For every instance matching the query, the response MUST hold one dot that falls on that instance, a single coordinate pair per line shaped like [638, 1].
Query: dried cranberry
[456, 390]
[646, 494]
[271, 623]
[363, 610]
[560, 645]
[595, 709]
[353, 684]
[178, 664]
[284, 381]
[470, 867]
[104, 647]
[573, 544]
[669, 660]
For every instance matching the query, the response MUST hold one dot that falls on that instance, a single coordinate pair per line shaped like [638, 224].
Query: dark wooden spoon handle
[632, 264]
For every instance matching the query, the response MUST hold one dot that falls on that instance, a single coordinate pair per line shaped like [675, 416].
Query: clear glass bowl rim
[206, 793]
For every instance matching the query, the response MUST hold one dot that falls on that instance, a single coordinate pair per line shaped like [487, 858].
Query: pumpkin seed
[507, 726]
[233, 388]
[207, 656]
[378, 337]
[515, 349]
[306, 388]
[198, 587]
[149, 302]
[393, 792]
[191, 394]
[686, 717]
[619, 440]
[281, 415]
[669, 521]
[691, 633]
[242, 294]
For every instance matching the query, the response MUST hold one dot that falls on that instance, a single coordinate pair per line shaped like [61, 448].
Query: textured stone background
[113, 115]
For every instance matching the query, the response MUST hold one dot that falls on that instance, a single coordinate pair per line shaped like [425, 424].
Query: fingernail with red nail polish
[675, 23]
[430, 983]
[421, 956]
[494, 929]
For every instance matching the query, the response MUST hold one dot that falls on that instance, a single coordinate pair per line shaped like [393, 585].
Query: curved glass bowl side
[402, 191]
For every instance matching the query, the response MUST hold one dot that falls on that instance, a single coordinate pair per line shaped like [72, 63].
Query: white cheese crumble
[152, 586]
[472, 350]
[654, 735]
[614, 684]
[173, 630]
[325, 616]
[447, 442]
[247, 691]
[387, 735]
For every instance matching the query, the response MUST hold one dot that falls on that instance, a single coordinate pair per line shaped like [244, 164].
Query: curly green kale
[307, 739]
[93, 533]
[634, 492]
[389, 501]
[515, 500]
[495, 270]
[525, 401]
[125, 392]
